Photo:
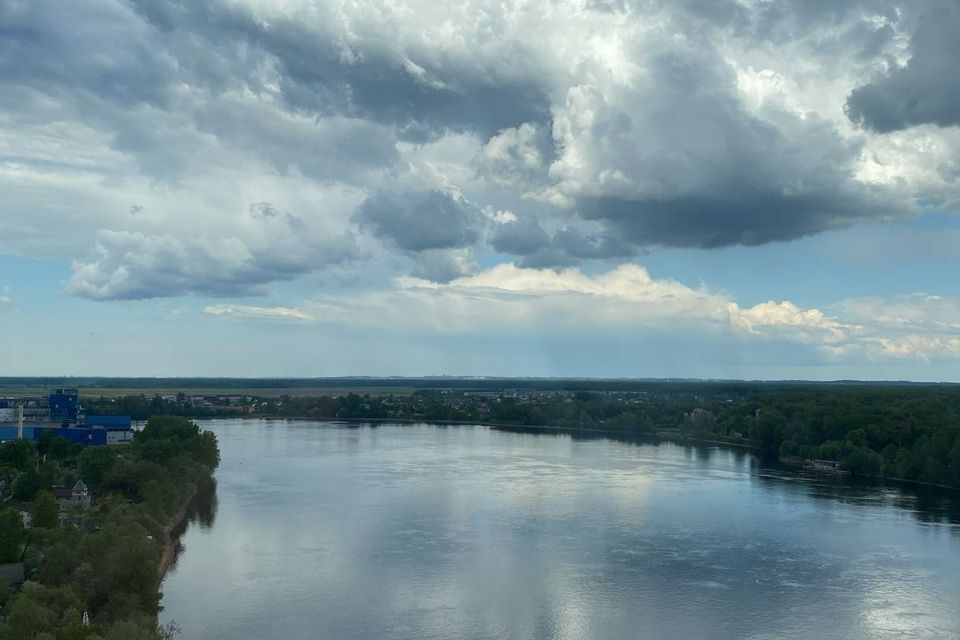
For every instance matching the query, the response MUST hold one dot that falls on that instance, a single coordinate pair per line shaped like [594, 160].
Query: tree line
[909, 432]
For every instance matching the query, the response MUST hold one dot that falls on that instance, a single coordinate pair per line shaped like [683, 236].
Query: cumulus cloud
[619, 127]
[670, 154]
[628, 302]
[519, 236]
[421, 221]
[787, 319]
[439, 265]
[511, 298]
[925, 90]
[132, 265]
[246, 311]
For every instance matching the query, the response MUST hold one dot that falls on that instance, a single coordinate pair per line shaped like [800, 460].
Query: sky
[758, 189]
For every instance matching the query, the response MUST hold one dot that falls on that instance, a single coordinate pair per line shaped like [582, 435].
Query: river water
[323, 530]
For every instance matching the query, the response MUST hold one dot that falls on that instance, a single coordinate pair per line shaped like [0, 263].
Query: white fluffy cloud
[627, 301]
[262, 313]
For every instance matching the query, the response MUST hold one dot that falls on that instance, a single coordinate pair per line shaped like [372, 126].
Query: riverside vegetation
[904, 431]
[104, 562]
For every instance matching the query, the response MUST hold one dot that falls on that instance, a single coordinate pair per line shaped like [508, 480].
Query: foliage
[107, 566]
[19, 454]
[909, 432]
[96, 463]
[46, 511]
[11, 536]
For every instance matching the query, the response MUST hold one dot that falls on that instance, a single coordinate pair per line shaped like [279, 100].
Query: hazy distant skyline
[697, 188]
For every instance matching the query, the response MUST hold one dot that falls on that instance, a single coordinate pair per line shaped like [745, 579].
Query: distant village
[55, 421]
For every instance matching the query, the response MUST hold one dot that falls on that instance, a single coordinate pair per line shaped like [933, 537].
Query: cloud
[413, 66]
[245, 311]
[619, 127]
[564, 246]
[420, 221]
[925, 90]
[789, 320]
[132, 265]
[511, 298]
[438, 265]
[519, 236]
[628, 302]
[671, 155]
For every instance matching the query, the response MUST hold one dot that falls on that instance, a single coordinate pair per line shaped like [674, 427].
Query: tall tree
[45, 510]
[11, 536]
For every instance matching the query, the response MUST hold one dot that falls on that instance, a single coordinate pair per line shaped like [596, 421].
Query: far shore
[667, 435]
[661, 435]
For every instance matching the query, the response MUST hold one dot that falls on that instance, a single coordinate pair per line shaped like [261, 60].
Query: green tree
[44, 442]
[19, 454]
[27, 485]
[96, 463]
[46, 511]
[40, 612]
[863, 461]
[11, 536]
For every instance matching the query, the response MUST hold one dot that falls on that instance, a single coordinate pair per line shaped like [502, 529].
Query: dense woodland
[107, 565]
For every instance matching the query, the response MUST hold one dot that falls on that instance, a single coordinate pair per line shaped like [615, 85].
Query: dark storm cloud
[519, 237]
[419, 221]
[567, 246]
[318, 76]
[695, 168]
[99, 49]
[753, 218]
[927, 89]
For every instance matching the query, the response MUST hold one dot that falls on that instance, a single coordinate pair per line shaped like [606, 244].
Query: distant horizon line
[45, 379]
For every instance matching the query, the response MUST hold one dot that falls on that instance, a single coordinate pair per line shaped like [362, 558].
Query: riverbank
[169, 552]
[668, 435]
[661, 434]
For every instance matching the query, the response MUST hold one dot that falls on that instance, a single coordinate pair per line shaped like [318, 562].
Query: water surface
[322, 530]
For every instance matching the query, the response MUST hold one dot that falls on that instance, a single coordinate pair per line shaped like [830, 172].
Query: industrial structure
[61, 413]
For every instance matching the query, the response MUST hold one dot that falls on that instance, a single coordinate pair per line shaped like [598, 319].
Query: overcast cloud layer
[224, 148]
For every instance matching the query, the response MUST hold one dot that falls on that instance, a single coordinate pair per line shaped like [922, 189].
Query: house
[76, 498]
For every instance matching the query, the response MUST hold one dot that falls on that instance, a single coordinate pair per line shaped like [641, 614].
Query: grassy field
[96, 392]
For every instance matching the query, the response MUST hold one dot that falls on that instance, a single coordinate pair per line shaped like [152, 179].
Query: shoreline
[169, 546]
[660, 435]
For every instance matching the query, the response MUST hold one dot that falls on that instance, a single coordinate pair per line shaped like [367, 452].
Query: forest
[96, 576]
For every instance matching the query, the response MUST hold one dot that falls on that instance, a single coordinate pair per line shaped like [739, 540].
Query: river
[334, 531]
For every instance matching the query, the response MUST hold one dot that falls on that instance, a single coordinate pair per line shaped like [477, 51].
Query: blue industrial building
[65, 406]
[79, 435]
[65, 418]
